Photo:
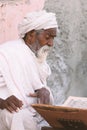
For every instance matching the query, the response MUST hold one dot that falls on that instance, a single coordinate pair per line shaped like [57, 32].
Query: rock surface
[70, 78]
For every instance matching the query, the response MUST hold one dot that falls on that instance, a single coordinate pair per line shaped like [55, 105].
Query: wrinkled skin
[11, 104]
[43, 95]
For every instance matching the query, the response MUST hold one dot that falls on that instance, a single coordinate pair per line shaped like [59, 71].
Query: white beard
[42, 53]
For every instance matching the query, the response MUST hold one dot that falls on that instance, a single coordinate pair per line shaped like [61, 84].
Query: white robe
[22, 75]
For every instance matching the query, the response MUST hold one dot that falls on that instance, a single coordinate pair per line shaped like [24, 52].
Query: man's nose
[50, 42]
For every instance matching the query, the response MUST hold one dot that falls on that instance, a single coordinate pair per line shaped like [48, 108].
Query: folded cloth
[37, 20]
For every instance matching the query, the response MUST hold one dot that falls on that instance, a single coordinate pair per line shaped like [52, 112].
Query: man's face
[41, 41]
[40, 38]
[45, 40]
[46, 37]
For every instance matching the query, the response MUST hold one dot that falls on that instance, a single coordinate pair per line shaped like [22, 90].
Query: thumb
[33, 94]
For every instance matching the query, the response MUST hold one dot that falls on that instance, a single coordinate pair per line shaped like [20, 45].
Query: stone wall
[71, 46]
[12, 12]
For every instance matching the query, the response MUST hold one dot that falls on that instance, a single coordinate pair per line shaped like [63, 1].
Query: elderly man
[23, 72]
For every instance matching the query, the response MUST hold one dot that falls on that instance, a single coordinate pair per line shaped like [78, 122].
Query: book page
[77, 102]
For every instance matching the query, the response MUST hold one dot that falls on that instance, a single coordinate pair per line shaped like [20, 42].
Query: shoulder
[13, 42]
[10, 44]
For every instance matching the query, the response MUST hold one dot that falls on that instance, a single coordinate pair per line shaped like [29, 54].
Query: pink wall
[12, 13]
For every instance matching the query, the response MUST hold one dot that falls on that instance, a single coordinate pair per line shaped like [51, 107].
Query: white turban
[37, 20]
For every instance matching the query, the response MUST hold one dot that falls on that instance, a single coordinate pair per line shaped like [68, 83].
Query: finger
[10, 109]
[42, 100]
[46, 101]
[33, 94]
[18, 103]
[12, 105]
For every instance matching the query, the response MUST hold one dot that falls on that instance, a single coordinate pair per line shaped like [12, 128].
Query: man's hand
[43, 95]
[11, 104]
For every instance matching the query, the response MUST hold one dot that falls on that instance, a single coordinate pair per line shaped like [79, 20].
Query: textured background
[71, 45]
[12, 12]
[68, 59]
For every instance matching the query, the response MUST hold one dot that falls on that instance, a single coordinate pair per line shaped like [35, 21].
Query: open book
[72, 114]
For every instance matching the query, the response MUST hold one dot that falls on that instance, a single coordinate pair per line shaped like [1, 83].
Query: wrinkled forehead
[52, 32]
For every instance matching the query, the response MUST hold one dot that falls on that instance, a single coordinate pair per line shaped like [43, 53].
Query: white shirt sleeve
[4, 93]
[2, 81]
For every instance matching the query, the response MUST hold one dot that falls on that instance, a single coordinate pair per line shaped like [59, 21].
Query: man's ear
[30, 37]
[32, 33]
